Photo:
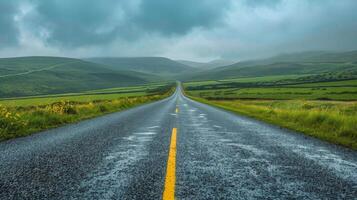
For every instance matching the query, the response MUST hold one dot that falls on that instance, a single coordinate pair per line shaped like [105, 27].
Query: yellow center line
[170, 179]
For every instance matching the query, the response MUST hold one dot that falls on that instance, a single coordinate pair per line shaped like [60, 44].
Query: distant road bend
[175, 148]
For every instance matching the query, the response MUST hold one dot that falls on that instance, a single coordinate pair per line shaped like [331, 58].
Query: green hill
[152, 65]
[207, 65]
[288, 64]
[27, 76]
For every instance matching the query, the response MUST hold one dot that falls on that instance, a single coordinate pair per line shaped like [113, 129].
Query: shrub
[62, 107]
[103, 108]
[10, 123]
[43, 119]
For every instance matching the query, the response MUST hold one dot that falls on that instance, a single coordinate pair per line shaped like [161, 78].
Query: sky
[179, 29]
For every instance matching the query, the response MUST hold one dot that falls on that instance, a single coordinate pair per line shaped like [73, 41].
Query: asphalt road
[218, 155]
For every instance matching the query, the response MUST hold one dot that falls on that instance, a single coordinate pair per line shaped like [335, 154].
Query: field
[345, 90]
[21, 117]
[102, 94]
[325, 110]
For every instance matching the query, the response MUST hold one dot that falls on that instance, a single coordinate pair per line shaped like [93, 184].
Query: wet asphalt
[220, 155]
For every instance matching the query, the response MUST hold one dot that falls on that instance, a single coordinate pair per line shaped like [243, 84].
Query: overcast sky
[180, 29]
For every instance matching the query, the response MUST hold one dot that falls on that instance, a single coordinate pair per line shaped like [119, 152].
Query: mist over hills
[152, 65]
[207, 65]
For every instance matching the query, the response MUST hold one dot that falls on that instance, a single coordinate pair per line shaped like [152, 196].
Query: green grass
[104, 94]
[243, 80]
[261, 78]
[315, 109]
[284, 93]
[281, 87]
[21, 117]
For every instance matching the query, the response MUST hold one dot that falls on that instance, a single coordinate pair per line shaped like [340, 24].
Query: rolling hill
[288, 64]
[207, 65]
[27, 76]
[153, 65]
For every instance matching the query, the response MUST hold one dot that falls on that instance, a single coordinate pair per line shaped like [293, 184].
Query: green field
[21, 117]
[326, 110]
[274, 88]
[243, 80]
[103, 94]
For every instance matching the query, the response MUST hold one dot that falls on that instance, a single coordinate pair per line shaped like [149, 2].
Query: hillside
[26, 76]
[207, 65]
[192, 63]
[152, 65]
[289, 64]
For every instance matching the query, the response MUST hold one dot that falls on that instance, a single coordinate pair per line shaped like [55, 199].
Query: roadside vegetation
[325, 110]
[21, 117]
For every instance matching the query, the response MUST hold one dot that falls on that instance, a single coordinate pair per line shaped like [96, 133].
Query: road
[185, 148]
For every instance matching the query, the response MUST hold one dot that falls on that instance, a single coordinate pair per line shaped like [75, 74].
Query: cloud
[8, 30]
[179, 17]
[81, 22]
[89, 22]
[259, 3]
[182, 29]
[292, 26]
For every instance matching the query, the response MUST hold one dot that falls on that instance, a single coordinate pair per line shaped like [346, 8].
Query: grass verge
[335, 122]
[17, 121]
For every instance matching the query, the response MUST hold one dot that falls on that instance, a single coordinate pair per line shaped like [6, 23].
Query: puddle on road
[341, 167]
[153, 127]
[250, 148]
[131, 138]
[113, 175]
[145, 133]
[224, 140]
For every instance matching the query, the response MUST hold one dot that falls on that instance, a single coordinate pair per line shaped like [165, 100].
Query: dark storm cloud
[87, 22]
[79, 22]
[256, 3]
[202, 29]
[179, 17]
[8, 30]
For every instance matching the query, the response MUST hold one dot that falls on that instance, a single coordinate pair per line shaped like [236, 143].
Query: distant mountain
[25, 76]
[286, 64]
[207, 65]
[192, 63]
[153, 65]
